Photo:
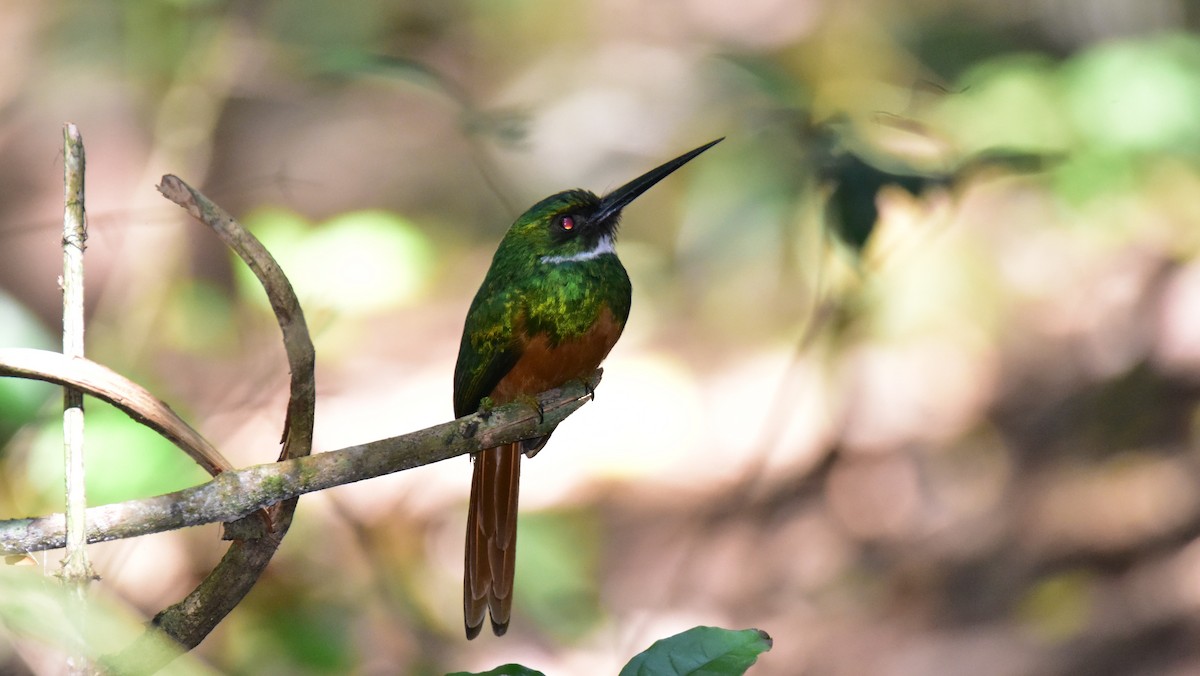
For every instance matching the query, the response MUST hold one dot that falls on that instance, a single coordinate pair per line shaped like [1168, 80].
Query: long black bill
[612, 203]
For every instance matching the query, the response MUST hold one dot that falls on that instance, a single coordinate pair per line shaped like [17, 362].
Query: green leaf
[701, 651]
[505, 670]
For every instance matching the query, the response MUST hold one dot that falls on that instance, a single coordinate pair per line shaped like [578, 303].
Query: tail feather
[477, 570]
[491, 539]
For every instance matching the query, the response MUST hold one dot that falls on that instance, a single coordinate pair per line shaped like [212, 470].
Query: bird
[553, 303]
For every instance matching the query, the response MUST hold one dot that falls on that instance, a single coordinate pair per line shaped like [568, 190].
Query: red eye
[566, 223]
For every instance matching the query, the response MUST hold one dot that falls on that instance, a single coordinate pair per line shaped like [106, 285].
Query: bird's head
[578, 225]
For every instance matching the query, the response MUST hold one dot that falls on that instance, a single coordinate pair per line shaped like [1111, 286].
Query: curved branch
[298, 425]
[108, 385]
[190, 620]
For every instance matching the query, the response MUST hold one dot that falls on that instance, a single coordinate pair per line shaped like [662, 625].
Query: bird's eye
[566, 223]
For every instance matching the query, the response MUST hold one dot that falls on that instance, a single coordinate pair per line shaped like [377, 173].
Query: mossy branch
[235, 494]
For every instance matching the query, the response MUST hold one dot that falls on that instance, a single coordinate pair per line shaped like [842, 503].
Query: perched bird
[552, 305]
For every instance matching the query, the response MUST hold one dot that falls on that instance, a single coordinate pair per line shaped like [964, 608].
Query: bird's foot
[533, 402]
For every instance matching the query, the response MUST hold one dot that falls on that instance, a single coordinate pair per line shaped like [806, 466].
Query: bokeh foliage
[910, 380]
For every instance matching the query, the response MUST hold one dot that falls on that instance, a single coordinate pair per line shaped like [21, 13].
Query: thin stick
[76, 572]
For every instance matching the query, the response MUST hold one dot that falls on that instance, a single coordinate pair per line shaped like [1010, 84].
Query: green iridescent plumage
[533, 287]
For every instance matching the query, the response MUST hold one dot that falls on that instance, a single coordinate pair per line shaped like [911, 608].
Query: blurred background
[911, 381]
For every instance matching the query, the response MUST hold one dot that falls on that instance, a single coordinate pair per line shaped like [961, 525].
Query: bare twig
[77, 572]
[91, 378]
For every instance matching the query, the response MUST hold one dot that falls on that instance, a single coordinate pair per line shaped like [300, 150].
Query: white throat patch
[604, 246]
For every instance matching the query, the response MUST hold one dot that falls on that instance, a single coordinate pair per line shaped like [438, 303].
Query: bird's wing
[488, 351]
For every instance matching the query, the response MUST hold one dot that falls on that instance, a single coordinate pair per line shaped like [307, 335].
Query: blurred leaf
[160, 37]
[505, 670]
[701, 651]
[125, 460]
[35, 607]
[956, 40]
[507, 126]
[402, 69]
[295, 626]
[559, 550]
[355, 23]
[1058, 608]
[356, 263]
[199, 318]
[771, 78]
[19, 403]
[314, 637]
[856, 173]
[20, 399]
[1011, 159]
[1138, 95]
[852, 208]
[1096, 172]
[19, 327]
[1013, 101]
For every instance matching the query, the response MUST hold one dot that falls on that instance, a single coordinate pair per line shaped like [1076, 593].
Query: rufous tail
[491, 539]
